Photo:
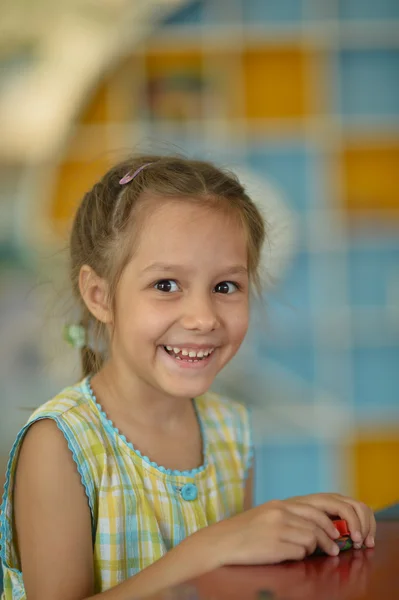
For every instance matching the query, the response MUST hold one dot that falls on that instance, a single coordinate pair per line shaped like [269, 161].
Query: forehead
[177, 225]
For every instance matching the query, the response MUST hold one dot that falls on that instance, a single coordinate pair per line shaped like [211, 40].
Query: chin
[187, 390]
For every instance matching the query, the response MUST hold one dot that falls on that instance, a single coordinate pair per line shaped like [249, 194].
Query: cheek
[149, 320]
[239, 322]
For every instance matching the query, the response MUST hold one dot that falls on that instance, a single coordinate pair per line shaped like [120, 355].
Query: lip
[193, 346]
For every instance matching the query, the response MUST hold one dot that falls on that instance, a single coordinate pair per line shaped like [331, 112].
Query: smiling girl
[137, 478]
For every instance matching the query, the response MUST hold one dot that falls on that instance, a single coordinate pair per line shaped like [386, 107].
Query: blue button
[189, 492]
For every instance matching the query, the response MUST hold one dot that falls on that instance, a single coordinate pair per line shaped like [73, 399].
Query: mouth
[189, 355]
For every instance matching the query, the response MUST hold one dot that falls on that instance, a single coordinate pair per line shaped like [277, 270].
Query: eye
[166, 285]
[226, 287]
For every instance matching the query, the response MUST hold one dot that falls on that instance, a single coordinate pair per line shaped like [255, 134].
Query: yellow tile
[173, 60]
[123, 93]
[376, 463]
[96, 110]
[174, 84]
[73, 180]
[87, 143]
[371, 177]
[275, 82]
[114, 99]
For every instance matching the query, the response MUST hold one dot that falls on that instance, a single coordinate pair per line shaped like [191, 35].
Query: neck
[118, 389]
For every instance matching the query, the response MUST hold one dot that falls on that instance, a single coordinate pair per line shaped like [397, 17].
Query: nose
[200, 314]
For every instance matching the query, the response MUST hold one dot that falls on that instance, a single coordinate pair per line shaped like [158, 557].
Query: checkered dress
[139, 510]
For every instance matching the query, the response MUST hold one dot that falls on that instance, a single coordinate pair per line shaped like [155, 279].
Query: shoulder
[72, 399]
[63, 435]
[44, 446]
[74, 413]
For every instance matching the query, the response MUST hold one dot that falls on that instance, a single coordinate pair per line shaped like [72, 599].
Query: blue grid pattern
[368, 9]
[369, 82]
[370, 271]
[306, 467]
[285, 165]
[376, 383]
[272, 11]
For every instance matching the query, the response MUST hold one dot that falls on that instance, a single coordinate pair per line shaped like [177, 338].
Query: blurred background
[301, 97]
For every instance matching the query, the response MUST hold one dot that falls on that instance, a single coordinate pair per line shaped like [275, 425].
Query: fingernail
[370, 541]
[357, 546]
[356, 536]
[335, 550]
[336, 534]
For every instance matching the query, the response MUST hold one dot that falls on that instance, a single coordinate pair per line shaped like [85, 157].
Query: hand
[273, 532]
[359, 516]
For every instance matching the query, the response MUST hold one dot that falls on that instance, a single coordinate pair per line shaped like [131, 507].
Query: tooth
[200, 354]
[184, 352]
[169, 348]
[176, 350]
[206, 352]
[192, 354]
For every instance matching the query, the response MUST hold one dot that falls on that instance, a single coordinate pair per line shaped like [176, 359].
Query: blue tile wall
[297, 468]
[282, 323]
[294, 290]
[369, 9]
[370, 271]
[299, 361]
[271, 11]
[376, 383]
[369, 82]
[288, 166]
[334, 373]
[328, 279]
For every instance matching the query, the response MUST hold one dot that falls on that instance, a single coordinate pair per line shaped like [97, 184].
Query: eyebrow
[167, 268]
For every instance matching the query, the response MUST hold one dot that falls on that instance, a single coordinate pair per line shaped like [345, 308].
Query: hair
[101, 235]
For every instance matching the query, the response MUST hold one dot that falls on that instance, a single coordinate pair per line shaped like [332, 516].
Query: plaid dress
[139, 510]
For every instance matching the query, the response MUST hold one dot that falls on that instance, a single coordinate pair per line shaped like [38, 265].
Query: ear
[94, 291]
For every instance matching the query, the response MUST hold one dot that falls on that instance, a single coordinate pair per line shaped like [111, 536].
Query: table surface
[371, 574]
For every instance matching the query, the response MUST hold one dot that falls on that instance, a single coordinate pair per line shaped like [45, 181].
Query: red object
[342, 527]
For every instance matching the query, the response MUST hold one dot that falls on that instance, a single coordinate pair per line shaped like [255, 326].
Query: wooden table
[355, 574]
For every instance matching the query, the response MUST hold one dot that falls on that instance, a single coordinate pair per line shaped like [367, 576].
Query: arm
[53, 527]
[249, 490]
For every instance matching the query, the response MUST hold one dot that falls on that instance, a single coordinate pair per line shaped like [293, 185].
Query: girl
[136, 478]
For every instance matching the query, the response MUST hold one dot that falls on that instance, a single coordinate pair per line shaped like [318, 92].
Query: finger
[363, 513]
[367, 520]
[370, 539]
[310, 536]
[315, 515]
[370, 522]
[286, 550]
[338, 506]
[325, 543]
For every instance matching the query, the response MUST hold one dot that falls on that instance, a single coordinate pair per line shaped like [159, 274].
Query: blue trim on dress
[4, 528]
[160, 468]
[250, 456]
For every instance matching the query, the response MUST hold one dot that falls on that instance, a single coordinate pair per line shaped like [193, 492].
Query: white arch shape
[77, 41]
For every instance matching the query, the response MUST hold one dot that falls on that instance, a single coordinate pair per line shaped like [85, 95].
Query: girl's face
[182, 301]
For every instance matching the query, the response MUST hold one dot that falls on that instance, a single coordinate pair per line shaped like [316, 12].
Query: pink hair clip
[130, 176]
